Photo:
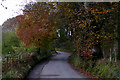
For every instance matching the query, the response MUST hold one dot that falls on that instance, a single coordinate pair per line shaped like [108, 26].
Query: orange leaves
[85, 54]
[36, 27]
[84, 48]
[102, 12]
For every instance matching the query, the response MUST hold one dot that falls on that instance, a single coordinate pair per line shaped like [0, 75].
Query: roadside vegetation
[18, 60]
[9, 40]
[102, 68]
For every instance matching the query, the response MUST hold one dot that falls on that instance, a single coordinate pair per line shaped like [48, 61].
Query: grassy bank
[99, 69]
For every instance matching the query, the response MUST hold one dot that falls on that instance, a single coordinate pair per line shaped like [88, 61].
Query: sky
[14, 8]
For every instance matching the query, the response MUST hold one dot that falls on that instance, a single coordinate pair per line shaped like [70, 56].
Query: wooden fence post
[7, 63]
[12, 61]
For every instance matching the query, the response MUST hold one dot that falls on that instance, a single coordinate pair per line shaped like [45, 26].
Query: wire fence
[12, 61]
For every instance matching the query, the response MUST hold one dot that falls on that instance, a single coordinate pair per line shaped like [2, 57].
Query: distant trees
[9, 24]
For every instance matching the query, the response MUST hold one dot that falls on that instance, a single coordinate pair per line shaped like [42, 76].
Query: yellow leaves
[14, 48]
[109, 36]
[105, 11]
[79, 13]
[105, 36]
[94, 26]
[92, 11]
[103, 32]
[91, 33]
[85, 13]
[96, 17]
[97, 37]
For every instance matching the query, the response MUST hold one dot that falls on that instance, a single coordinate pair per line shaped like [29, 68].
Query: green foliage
[107, 70]
[102, 70]
[21, 69]
[9, 39]
[11, 74]
[90, 68]
[31, 49]
[76, 61]
[22, 49]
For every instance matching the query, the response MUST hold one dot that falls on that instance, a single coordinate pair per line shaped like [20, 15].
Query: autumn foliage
[91, 24]
[36, 26]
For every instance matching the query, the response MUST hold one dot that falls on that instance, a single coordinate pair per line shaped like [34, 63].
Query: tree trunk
[110, 55]
[103, 54]
[115, 55]
[118, 26]
[38, 51]
[118, 42]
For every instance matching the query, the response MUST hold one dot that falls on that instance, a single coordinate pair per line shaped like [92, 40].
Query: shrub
[25, 65]
[103, 69]
[20, 50]
[11, 74]
[90, 66]
[106, 70]
[9, 39]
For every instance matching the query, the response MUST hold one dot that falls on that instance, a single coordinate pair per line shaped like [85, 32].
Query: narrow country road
[56, 67]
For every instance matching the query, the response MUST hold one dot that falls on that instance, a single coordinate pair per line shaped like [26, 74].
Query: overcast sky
[13, 8]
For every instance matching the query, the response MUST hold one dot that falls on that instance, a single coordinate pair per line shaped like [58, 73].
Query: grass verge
[96, 69]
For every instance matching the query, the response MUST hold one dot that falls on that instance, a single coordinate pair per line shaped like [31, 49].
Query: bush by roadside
[22, 67]
[100, 68]
[9, 39]
[17, 58]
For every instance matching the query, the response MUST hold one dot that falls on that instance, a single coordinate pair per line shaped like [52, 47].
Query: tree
[92, 24]
[36, 26]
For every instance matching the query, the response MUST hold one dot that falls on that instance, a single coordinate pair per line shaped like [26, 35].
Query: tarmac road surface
[56, 67]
